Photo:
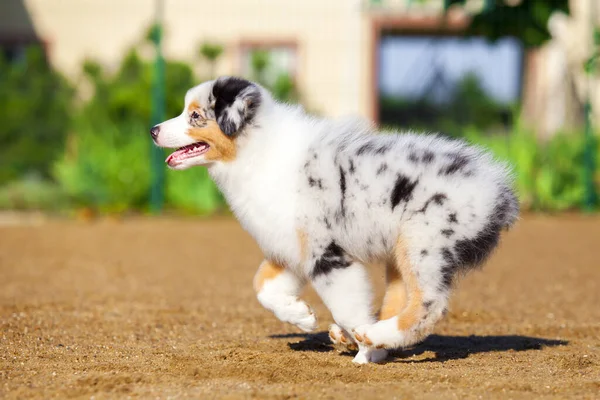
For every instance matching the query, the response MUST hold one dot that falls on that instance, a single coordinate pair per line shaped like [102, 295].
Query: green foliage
[32, 193]
[591, 65]
[548, 177]
[125, 96]
[192, 191]
[281, 85]
[35, 105]
[107, 167]
[526, 20]
[211, 51]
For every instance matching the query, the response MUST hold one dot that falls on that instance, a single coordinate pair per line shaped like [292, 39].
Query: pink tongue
[174, 154]
[181, 151]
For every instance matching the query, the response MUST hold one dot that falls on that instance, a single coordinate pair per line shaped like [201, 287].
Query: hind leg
[344, 287]
[395, 298]
[427, 298]
[340, 338]
[394, 301]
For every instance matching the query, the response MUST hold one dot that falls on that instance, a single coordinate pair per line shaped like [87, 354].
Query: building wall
[331, 38]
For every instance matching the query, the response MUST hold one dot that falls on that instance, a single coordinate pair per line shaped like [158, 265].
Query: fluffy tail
[507, 210]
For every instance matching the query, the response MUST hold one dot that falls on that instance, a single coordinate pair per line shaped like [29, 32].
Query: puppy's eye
[195, 115]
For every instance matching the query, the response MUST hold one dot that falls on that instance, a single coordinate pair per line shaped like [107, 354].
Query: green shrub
[33, 193]
[107, 166]
[35, 109]
[548, 176]
[192, 191]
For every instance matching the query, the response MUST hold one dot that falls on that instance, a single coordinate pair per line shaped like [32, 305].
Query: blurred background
[81, 82]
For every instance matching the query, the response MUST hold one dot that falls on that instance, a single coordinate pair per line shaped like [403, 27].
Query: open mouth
[186, 152]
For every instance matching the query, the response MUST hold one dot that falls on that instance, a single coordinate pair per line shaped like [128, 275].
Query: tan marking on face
[194, 105]
[266, 271]
[414, 308]
[395, 299]
[222, 147]
[302, 240]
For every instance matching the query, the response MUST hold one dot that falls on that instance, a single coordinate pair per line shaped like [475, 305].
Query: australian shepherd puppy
[323, 197]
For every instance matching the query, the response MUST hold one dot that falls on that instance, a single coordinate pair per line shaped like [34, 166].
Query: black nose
[154, 131]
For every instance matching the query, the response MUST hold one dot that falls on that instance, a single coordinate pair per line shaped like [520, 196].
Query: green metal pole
[589, 168]
[591, 197]
[158, 115]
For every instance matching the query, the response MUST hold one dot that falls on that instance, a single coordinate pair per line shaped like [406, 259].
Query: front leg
[277, 290]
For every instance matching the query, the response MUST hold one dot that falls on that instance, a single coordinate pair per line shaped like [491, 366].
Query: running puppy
[323, 197]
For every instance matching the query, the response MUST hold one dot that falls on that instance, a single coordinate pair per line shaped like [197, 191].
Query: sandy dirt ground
[164, 308]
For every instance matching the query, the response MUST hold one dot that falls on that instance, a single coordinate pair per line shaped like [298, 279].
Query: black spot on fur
[226, 91]
[365, 148]
[312, 182]
[382, 168]
[327, 223]
[447, 232]
[424, 252]
[427, 305]
[438, 198]
[403, 189]
[458, 162]
[352, 168]
[425, 157]
[334, 257]
[448, 268]
[382, 149]
[428, 156]
[447, 255]
[452, 218]
[343, 190]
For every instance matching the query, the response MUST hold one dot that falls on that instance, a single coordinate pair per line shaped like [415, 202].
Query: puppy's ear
[235, 103]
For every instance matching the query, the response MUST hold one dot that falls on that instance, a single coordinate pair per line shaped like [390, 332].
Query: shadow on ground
[444, 347]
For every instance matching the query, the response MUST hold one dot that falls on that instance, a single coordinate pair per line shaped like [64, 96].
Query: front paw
[298, 313]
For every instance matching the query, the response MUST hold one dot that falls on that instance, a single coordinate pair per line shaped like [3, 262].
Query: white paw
[296, 312]
[370, 354]
[380, 334]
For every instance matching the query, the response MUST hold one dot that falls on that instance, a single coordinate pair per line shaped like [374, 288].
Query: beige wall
[332, 38]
